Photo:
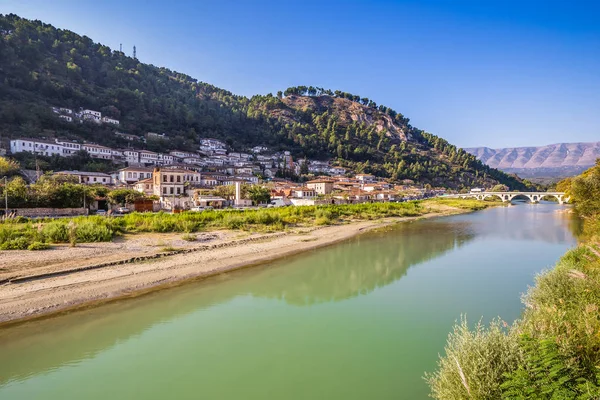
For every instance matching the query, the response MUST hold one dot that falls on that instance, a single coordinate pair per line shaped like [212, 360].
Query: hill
[555, 160]
[43, 67]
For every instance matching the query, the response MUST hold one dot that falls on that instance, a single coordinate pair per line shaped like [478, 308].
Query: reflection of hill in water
[330, 274]
[359, 266]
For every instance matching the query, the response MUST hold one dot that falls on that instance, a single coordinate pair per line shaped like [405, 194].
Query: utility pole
[5, 197]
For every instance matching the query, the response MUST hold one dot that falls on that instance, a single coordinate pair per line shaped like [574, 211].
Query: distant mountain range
[555, 160]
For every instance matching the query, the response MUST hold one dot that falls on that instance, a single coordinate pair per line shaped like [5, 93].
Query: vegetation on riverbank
[553, 351]
[22, 233]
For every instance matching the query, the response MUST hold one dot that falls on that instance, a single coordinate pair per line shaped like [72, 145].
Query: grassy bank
[37, 234]
[553, 351]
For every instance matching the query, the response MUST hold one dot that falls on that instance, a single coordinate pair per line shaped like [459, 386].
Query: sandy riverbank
[46, 283]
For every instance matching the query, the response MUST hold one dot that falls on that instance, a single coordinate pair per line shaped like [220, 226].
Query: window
[171, 178]
[178, 178]
[164, 178]
[129, 174]
[164, 190]
[171, 190]
[178, 191]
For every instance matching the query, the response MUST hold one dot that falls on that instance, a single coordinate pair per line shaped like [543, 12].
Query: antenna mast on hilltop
[134, 56]
[121, 47]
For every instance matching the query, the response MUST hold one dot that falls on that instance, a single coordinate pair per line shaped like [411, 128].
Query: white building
[89, 178]
[131, 175]
[131, 156]
[36, 146]
[91, 115]
[66, 118]
[69, 148]
[148, 157]
[165, 159]
[212, 145]
[259, 149]
[98, 151]
[109, 120]
[248, 178]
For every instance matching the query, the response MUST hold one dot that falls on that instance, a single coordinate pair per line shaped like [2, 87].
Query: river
[360, 319]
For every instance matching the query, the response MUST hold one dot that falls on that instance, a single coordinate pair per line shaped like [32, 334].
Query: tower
[238, 193]
[134, 53]
[121, 47]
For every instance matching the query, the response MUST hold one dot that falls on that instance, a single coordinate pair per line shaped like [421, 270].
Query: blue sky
[478, 73]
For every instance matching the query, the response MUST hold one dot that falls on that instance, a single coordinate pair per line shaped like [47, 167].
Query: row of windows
[170, 190]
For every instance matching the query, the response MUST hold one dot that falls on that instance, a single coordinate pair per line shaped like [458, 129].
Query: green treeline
[41, 66]
[553, 351]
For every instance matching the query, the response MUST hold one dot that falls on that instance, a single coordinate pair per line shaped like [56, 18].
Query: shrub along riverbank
[553, 351]
[22, 233]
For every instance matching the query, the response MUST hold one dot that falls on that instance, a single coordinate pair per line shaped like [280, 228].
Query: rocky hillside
[43, 67]
[556, 160]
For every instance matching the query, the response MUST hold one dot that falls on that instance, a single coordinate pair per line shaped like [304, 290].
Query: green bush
[189, 237]
[20, 243]
[38, 246]
[475, 362]
[88, 232]
[56, 232]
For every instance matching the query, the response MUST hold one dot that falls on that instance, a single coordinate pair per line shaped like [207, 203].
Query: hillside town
[184, 180]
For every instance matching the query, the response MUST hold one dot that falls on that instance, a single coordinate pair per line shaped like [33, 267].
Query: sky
[476, 72]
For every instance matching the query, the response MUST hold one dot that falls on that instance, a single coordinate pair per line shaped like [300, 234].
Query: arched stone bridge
[534, 197]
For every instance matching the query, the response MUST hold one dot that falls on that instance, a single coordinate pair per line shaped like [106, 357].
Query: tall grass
[102, 229]
[553, 351]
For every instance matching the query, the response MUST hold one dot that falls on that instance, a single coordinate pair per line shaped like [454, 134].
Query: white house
[36, 146]
[108, 120]
[248, 178]
[98, 151]
[92, 115]
[148, 157]
[131, 175]
[165, 159]
[89, 178]
[69, 148]
[66, 118]
[131, 156]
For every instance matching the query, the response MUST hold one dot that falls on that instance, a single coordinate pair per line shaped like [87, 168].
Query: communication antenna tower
[134, 54]
[121, 47]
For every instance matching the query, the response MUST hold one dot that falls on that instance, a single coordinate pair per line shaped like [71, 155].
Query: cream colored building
[321, 186]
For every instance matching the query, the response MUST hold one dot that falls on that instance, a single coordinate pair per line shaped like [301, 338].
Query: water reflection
[331, 274]
[358, 267]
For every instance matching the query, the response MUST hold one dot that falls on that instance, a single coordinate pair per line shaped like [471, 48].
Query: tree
[500, 188]
[124, 196]
[259, 194]
[8, 167]
[304, 167]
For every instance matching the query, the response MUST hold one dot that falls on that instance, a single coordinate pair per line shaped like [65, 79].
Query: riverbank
[553, 350]
[41, 288]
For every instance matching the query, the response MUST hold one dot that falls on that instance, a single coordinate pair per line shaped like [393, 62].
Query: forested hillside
[42, 66]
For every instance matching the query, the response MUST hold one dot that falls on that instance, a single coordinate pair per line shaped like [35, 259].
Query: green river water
[360, 319]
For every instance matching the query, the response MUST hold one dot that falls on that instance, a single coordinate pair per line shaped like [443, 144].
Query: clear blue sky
[478, 73]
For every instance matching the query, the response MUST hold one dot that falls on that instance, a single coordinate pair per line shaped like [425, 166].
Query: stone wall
[50, 212]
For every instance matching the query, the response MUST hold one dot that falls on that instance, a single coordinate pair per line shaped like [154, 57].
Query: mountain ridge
[558, 159]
